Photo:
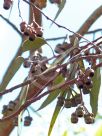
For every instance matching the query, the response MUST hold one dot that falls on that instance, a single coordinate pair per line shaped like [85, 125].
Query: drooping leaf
[65, 133]
[55, 115]
[99, 131]
[33, 45]
[60, 6]
[95, 91]
[51, 97]
[19, 129]
[23, 95]
[11, 72]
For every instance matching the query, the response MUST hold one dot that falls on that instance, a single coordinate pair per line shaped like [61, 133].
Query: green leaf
[11, 72]
[95, 91]
[23, 95]
[55, 115]
[51, 97]
[33, 45]
[19, 129]
[61, 6]
[65, 133]
[99, 131]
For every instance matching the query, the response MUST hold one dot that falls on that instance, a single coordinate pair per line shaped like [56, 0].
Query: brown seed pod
[26, 63]
[85, 90]
[89, 119]
[27, 121]
[23, 26]
[7, 4]
[58, 49]
[78, 99]
[68, 103]
[80, 83]
[74, 118]
[32, 35]
[38, 31]
[5, 109]
[80, 111]
[27, 31]
[11, 106]
[89, 72]
[74, 104]
[60, 101]
[88, 81]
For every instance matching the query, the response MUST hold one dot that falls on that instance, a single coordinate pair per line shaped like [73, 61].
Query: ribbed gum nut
[89, 72]
[11, 105]
[60, 101]
[89, 119]
[5, 109]
[27, 121]
[80, 83]
[27, 31]
[74, 104]
[26, 64]
[32, 36]
[85, 90]
[7, 4]
[68, 103]
[80, 111]
[23, 25]
[78, 99]
[39, 31]
[74, 118]
[87, 81]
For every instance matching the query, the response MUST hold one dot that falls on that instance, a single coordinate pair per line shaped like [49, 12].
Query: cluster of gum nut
[30, 30]
[76, 101]
[10, 107]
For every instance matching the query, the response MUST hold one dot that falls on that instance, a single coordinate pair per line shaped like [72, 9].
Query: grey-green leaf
[54, 117]
[11, 72]
[33, 45]
[95, 91]
[61, 6]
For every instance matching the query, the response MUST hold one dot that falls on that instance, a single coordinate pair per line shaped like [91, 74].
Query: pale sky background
[73, 15]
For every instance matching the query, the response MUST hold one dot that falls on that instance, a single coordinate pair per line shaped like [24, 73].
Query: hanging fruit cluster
[33, 30]
[75, 99]
[37, 64]
[27, 121]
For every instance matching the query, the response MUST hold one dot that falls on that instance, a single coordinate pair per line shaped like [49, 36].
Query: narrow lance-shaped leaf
[11, 72]
[60, 6]
[33, 45]
[55, 115]
[52, 96]
[95, 91]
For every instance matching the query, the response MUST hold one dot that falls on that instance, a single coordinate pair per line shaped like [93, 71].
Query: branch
[15, 87]
[60, 26]
[11, 24]
[89, 22]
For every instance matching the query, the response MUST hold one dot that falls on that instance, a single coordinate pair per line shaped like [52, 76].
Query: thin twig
[60, 26]
[15, 87]
[11, 24]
